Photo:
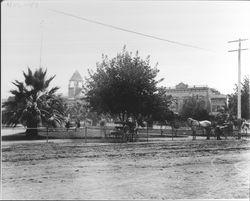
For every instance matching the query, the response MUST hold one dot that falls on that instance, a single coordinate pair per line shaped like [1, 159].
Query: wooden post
[226, 132]
[105, 131]
[239, 82]
[47, 138]
[147, 133]
[239, 129]
[85, 134]
[194, 133]
[172, 133]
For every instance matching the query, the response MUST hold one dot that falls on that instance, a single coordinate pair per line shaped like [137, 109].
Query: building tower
[75, 85]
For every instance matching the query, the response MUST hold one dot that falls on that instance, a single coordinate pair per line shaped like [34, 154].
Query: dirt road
[198, 169]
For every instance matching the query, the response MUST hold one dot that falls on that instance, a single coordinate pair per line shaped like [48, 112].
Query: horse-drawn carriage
[124, 132]
[215, 129]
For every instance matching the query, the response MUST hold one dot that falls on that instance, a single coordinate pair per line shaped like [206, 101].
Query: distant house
[213, 99]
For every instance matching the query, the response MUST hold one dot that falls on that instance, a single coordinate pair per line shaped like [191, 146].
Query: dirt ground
[179, 169]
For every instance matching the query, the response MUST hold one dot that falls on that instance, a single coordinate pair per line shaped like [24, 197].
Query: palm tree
[32, 104]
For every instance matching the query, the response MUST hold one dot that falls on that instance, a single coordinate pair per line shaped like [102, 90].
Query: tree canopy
[32, 103]
[194, 108]
[125, 86]
[232, 103]
[78, 110]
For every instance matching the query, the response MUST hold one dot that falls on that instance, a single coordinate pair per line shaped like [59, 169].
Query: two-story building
[213, 99]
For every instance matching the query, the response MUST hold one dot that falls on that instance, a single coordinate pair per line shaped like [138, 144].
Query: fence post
[47, 138]
[85, 134]
[105, 131]
[194, 133]
[226, 132]
[147, 133]
[172, 134]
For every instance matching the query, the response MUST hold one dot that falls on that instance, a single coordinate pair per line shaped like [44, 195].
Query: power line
[126, 30]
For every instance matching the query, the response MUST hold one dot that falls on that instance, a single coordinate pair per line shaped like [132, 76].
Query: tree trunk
[31, 130]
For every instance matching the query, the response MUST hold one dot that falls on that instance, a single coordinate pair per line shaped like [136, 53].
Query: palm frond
[53, 90]
[47, 82]
[32, 98]
[28, 77]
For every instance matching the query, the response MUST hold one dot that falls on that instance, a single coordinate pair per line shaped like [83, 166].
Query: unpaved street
[178, 169]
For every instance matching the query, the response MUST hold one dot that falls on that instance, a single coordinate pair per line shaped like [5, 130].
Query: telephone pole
[239, 79]
[41, 45]
[248, 97]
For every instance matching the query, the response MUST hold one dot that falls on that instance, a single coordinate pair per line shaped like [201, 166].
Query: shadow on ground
[22, 136]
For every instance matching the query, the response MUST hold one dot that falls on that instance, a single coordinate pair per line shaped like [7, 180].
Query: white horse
[194, 124]
[245, 126]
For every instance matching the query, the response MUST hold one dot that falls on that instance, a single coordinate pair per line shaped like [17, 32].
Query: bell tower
[75, 85]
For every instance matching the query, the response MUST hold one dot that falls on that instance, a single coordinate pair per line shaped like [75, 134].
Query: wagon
[124, 131]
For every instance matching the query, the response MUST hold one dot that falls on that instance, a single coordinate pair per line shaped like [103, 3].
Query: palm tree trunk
[31, 130]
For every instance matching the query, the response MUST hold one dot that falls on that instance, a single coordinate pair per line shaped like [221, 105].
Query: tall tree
[32, 103]
[160, 107]
[78, 110]
[124, 86]
[244, 100]
[194, 108]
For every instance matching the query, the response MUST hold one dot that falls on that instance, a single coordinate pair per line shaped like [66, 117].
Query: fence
[102, 134]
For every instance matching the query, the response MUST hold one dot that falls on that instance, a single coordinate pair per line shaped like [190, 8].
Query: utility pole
[248, 97]
[41, 45]
[239, 79]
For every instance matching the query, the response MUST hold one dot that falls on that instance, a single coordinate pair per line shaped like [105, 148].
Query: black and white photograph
[125, 100]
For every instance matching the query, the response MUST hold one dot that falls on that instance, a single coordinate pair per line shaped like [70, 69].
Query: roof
[217, 96]
[181, 85]
[76, 77]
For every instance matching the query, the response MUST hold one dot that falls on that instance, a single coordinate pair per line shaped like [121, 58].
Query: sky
[34, 35]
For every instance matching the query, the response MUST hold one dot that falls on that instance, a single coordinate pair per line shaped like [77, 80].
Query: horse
[245, 126]
[194, 124]
[221, 130]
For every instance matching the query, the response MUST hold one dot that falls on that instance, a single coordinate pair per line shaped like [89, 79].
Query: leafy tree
[125, 86]
[194, 108]
[232, 104]
[32, 104]
[78, 110]
[94, 117]
[160, 107]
